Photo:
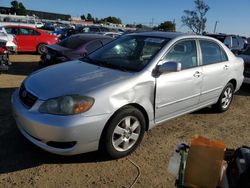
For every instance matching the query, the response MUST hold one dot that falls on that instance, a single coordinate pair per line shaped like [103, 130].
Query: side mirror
[170, 66]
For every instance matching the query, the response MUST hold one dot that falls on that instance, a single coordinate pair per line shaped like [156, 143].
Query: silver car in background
[108, 99]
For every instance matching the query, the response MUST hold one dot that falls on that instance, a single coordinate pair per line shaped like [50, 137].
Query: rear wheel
[124, 132]
[225, 99]
[41, 49]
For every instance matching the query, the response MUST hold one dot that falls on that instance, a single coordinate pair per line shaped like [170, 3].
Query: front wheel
[225, 99]
[41, 48]
[124, 132]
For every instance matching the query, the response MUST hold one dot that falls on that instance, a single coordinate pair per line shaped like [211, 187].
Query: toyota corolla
[108, 99]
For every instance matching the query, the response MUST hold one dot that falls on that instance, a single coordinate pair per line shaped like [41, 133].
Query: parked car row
[246, 57]
[72, 48]
[68, 31]
[235, 43]
[30, 39]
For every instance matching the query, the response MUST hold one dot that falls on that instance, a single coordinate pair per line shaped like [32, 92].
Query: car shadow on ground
[23, 68]
[244, 90]
[17, 153]
[23, 64]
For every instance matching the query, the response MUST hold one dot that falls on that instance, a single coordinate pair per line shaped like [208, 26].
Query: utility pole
[215, 26]
[151, 23]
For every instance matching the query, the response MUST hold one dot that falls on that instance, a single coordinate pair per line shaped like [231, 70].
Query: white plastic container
[174, 164]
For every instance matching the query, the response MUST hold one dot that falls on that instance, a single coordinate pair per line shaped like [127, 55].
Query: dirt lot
[24, 165]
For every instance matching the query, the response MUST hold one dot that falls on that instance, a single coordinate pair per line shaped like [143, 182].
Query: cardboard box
[204, 163]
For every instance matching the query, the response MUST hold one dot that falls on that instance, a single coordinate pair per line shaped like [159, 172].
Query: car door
[215, 68]
[179, 92]
[27, 40]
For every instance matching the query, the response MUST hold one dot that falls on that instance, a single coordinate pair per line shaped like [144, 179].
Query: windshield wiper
[89, 60]
[114, 66]
[106, 64]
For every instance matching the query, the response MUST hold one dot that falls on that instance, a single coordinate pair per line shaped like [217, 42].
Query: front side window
[10, 30]
[212, 53]
[130, 52]
[183, 52]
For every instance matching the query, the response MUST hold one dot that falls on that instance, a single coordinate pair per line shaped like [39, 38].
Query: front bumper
[12, 49]
[49, 59]
[42, 129]
[4, 62]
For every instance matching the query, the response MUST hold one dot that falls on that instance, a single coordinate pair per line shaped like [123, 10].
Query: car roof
[21, 26]
[169, 35]
[92, 36]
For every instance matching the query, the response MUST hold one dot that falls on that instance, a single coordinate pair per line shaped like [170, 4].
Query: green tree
[195, 19]
[139, 26]
[22, 9]
[97, 21]
[83, 17]
[17, 8]
[89, 17]
[114, 20]
[167, 26]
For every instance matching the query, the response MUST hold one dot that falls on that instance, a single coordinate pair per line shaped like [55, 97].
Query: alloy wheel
[227, 97]
[126, 133]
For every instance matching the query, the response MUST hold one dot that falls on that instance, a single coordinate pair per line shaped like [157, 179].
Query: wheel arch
[39, 45]
[234, 82]
[134, 105]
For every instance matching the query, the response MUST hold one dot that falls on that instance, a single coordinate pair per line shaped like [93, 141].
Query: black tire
[41, 49]
[225, 99]
[128, 117]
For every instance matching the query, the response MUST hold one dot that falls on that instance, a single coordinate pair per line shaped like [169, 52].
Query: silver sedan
[108, 99]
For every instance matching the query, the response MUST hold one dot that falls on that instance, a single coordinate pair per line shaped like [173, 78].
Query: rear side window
[73, 42]
[93, 46]
[212, 53]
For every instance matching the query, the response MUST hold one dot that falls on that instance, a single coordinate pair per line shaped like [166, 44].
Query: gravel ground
[24, 165]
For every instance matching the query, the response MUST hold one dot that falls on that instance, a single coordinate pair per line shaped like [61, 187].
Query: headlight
[67, 105]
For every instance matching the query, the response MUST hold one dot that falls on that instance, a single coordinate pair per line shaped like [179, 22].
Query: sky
[233, 16]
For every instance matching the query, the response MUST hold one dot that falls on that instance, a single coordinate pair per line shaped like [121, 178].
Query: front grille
[26, 97]
[61, 145]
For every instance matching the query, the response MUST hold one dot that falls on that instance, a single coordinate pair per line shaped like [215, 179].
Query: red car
[30, 39]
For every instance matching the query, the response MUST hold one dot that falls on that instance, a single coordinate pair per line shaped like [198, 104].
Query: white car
[11, 40]
[108, 99]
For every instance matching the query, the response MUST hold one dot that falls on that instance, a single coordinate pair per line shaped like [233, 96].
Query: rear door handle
[197, 74]
[226, 67]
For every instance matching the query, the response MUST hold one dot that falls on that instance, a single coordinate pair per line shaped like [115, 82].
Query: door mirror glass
[170, 66]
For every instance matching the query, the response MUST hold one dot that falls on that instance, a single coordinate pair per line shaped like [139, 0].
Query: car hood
[69, 53]
[73, 77]
[57, 48]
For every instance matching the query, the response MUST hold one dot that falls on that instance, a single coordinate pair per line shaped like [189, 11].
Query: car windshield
[128, 53]
[73, 42]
